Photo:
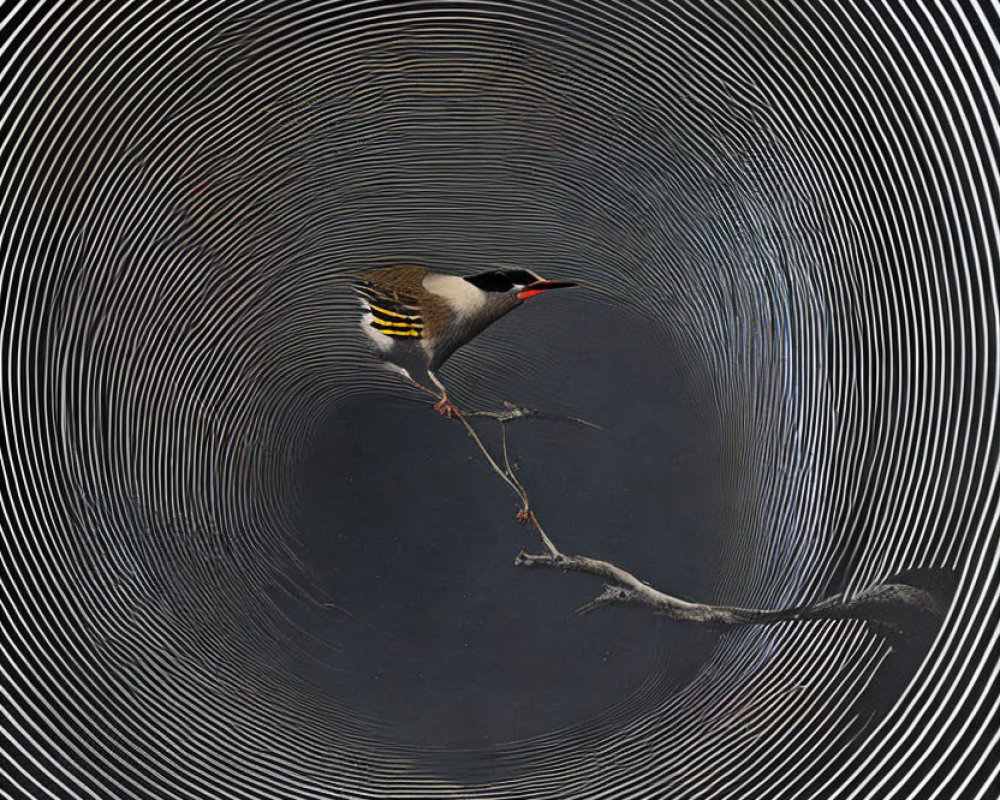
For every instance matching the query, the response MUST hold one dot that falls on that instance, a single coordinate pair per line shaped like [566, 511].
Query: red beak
[542, 286]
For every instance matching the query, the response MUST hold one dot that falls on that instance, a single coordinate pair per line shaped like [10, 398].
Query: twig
[515, 412]
[510, 470]
[486, 453]
[526, 515]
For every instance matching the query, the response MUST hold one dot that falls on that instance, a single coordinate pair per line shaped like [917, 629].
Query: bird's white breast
[464, 298]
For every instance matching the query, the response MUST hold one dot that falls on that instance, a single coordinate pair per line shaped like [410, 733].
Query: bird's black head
[522, 282]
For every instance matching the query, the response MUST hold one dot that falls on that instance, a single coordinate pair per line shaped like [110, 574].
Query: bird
[417, 318]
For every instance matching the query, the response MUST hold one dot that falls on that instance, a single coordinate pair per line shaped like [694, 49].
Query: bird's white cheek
[464, 298]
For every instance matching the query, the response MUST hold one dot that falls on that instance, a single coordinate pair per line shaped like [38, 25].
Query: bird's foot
[445, 407]
[526, 515]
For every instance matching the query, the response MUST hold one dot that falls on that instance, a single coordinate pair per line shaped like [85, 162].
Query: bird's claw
[444, 407]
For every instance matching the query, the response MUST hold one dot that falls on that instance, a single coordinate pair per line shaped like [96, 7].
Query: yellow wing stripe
[389, 324]
[387, 313]
[394, 332]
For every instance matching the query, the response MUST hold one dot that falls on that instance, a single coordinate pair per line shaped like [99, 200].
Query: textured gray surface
[239, 561]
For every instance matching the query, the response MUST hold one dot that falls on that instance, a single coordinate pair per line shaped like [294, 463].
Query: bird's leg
[443, 406]
[423, 388]
[442, 398]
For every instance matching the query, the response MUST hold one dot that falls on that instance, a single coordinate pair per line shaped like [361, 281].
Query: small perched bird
[417, 318]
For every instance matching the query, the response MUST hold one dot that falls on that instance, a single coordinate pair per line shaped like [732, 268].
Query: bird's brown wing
[391, 296]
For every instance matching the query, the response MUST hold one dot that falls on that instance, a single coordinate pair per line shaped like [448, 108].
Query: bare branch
[624, 588]
[894, 609]
[890, 608]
